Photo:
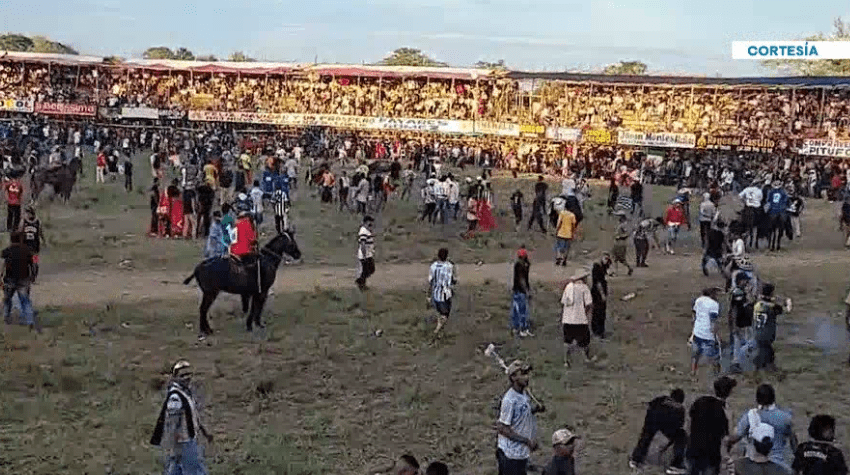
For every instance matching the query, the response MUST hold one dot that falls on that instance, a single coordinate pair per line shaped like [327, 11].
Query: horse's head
[285, 244]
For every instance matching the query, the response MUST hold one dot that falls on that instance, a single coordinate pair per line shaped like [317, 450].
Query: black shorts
[578, 334]
[443, 308]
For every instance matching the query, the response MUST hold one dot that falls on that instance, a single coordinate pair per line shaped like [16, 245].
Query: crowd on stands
[754, 111]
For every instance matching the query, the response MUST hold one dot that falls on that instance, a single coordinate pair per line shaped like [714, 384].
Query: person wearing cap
[766, 412]
[365, 251]
[707, 212]
[33, 237]
[441, 279]
[765, 313]
[517, 423]
[674, 218]
[179, 424]
[819, 455]
[665, 414]
[521, 295]
[564, 446]
[757, 462]
[577, 301]
[709, 426]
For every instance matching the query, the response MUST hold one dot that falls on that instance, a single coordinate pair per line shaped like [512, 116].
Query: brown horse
[61, 178]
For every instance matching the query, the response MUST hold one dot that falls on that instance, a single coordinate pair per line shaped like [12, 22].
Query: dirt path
[92, 287]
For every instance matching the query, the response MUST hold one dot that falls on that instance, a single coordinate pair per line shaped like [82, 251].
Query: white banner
[650, 139]
[139, 113]
[825, 148]
[807, 50]
[425, 125]
[496, 128]
[563, 134]
[16, 105]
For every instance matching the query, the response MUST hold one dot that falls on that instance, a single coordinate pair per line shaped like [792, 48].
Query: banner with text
[140, 113]
[532, 130]
[496, 128]
[426, 125]
[598, 137]
[739, 144]
[65, 109]
[649, 139]
[826, 148]
[16, 105]
[563, 134]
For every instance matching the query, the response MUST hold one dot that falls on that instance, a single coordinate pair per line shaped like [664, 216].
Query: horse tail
[189, 279]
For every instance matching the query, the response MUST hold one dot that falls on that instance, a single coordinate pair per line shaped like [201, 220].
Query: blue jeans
[23, 291]
[742, 344]
[519, 312]
[187, 460]
[442, 209]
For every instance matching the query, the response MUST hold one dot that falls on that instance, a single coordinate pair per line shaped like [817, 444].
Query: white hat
[563, 436]
[580, 274]
[759, 433]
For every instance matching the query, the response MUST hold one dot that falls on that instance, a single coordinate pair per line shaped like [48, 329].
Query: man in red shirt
[674, 218]
[101, 167]
[14, 192]
[244, 241]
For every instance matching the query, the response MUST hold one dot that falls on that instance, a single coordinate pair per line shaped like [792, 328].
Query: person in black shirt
[154, 203]
[715, 247]
[32, 237]
[599, 294]
[128, 175]
[709, 425]
[637, 198]
[516, 206]
[740, 319]
[538, 208]
[206, 197]
[819, 456]
[17, 279]
[665, 414]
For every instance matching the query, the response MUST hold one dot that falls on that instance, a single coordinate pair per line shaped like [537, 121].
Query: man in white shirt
[441, 279]
[365, 251]
[291, 166]
[752, 196]
[454, 197]
[707, 211]
[517, 424]
[441, 196]
[704, 338]
[577, 302]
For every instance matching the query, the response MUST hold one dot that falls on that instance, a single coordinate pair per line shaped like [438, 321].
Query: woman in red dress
[486, 222]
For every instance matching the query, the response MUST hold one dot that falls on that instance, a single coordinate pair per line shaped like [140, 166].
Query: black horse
[221, 274]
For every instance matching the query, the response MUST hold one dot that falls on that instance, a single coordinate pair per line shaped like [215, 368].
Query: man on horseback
[243, 249]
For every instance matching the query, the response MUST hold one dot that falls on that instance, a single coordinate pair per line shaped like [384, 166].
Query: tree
[209, 58]
[240, 57]
[184, 54]
[36, 44]
[45, 45]
[113, 60]
[817, 67]
[626, 68]
[158, 52]
[410, 57]
[15, 42]
[497, 66]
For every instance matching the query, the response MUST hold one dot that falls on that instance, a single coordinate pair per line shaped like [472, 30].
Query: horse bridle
[274, 254]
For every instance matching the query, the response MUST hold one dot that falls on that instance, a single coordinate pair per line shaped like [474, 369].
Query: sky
[670, 36]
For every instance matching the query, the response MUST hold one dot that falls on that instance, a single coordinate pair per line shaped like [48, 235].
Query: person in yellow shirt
[565, 230]
[247, 166]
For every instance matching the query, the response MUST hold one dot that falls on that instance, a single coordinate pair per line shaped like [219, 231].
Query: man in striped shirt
[365, 251]
[441, 278]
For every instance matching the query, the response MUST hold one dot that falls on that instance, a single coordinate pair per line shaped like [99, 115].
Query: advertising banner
[825, 148]
[563, 134]
[662, 139]
[16, 105]
[598, 136]
[139, 113]
[728, 142]
[496, 128]
[65, 109]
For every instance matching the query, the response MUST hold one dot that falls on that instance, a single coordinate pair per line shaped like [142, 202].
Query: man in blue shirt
[784, 439]
[777, 206]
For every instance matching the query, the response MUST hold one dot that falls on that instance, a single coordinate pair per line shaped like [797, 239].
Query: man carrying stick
[517, 423]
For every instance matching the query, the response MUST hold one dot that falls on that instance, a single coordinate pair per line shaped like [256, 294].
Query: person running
[740, 321]
[705, 340]
[765, 312]
[820, 456]
[577, 302]
[709, 426]
[441, 279]
[674, 217]
[665, 414]
[565, 230]
[784, 440]
[17, 279]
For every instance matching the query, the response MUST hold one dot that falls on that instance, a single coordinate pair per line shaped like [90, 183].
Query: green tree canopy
[626, 68]
[410, 57]
[818, 67]
[497, 66]
[238, 56]
[35, 44]
[163, 52]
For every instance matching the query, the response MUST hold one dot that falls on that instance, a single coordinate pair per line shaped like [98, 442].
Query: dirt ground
[319, 391]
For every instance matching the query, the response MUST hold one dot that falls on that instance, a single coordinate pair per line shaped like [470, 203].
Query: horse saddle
[240, 266]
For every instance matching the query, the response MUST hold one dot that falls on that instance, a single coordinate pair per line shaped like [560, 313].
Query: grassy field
[319, 392]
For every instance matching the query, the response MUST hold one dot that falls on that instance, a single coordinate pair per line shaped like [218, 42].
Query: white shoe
[526, 333]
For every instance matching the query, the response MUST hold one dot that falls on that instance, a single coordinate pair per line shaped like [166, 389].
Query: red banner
[64, 109]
